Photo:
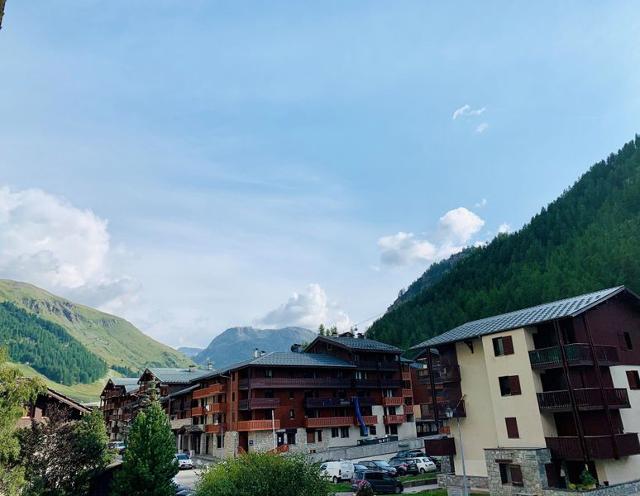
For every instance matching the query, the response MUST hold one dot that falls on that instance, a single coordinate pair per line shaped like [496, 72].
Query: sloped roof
[178, 376]
[360, 344]
[130, 384]
[291, 359]
[569, 307]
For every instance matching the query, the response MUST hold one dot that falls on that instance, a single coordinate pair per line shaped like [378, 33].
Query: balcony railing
[258, 425]
[428, 413]
[328, 422]
[407, 393]
[446, 374]
[209, 391]
[392, 401]
[598, 447]
[327, 402]
[197, 411]
[577, 354]
[377, 365]
[368, 420]
[586, 399]
[395, 419]
[445, 446]
[391, 383]
[258, 403]
[213, 428]
[295, 382]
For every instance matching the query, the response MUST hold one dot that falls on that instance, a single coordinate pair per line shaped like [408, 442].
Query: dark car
[359, 468]
[380, 482]
[413, 453]
[380, 466]
[404, 466]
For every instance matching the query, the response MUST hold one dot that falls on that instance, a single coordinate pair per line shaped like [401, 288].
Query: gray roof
[130, 383]
[178, 376]
[361, 344]
[569, 307]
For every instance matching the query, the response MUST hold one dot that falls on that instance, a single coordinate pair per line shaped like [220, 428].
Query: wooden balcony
[294, 382]
[328, 402]
[445, 446]
[407, 393]
[428, 412]
[257, 425]
[377, 365]
[259, 404]
[391, 383]
[406, 376]
[214, 428]
[216, 408]
[447, 374]
[392, 401]
[368, 420]
[394, 419]
[366, 383]
[598, 447]
[198, 411]
[209, 391]
[328, 422]
[577, 354]
[586, 399]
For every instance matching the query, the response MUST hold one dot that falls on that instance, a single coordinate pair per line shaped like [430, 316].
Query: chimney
[263, 353]
[296, 348]
[256, 353]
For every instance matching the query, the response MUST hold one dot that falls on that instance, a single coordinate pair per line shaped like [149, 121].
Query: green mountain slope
[122, 346]
[587, 239]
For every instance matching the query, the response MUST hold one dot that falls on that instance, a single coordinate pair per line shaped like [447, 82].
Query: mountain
[189, 352]
[80, 336]
[585, 240]
[239, 343]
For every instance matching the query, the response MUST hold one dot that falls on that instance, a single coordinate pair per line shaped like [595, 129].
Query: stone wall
[625, 489]
[532, 462]
[453, 483]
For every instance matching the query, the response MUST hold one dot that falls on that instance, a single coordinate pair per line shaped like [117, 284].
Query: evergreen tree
[149, 463]
[15, 393]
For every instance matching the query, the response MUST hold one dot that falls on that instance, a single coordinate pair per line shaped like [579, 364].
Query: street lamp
[449, 412]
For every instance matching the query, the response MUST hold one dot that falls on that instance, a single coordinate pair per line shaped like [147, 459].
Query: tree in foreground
[263, 474]
[15, 393]
[61, 457]
[148, 464]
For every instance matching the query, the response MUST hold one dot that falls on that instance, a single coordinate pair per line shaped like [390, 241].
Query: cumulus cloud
[504, 228]
[455, 230]
[482, 127]
[307, 309]
[467, 111]
[48, 242]
[481, 204]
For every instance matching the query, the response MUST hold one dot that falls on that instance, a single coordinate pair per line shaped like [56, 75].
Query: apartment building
[339, 391]
[534, 397]
[118, 401]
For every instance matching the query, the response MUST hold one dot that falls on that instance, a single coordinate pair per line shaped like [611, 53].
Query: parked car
[380, 466]
[337, 471]
[435, 461]
[404, 466]
[423, 464]
[182, 490]
[381, 482]
[413, 453]
[118, 446]
[184, 461]
[359, 468]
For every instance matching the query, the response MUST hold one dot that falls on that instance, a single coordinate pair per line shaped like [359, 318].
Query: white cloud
[482, 127]
[48, 242]
[481, 204]
[467, 111]
[455, 229]
[504, 228]
[308, 309]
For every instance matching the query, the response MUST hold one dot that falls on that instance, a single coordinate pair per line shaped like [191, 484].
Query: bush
[364, 489]
[263, 474]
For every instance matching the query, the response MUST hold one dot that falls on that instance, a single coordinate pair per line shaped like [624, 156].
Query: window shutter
[634, 379]
[507, 343]
[516, 475]
[514, 384]
[512, 428]
[496, 347]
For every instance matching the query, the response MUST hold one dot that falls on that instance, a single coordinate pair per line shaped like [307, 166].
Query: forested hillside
[587, 239]
[47, 347]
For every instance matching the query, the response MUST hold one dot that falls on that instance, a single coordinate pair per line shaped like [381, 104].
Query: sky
[193, 166]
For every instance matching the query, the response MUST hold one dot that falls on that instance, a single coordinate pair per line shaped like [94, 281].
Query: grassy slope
[114, 339]
[83, 393]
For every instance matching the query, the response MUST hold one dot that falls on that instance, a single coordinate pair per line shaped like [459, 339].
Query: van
[337, 471]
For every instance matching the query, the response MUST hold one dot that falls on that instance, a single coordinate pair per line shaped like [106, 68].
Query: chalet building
[339, 391]
[118, 402]
[48, 400]
[539, 395]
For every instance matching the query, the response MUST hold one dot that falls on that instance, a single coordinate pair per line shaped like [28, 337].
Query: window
[344, 432]
[268, 393]
[509, 385]
[268, 373]
[311, 437]
[510, 474]
[292, 414]
[512, 427]
[627, 340]
[634, 379]
[335, 432]
[503, 346]
[291, 437]
[319, 436]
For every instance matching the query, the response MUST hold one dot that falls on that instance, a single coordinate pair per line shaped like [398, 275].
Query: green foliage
[125, 371]
[263, 474]
[149, 463]
[47, 347]
[62, 457]
[586, 479]
[583, 241]
[15, 393]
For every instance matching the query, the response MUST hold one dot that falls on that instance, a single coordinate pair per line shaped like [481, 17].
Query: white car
[423, 464]
[184, 461]
[337, 471]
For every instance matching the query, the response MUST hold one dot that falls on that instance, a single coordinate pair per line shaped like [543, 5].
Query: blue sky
[197, 165]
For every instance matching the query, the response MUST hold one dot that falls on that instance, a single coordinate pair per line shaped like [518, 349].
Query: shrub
[263, 474]
[364, 489]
